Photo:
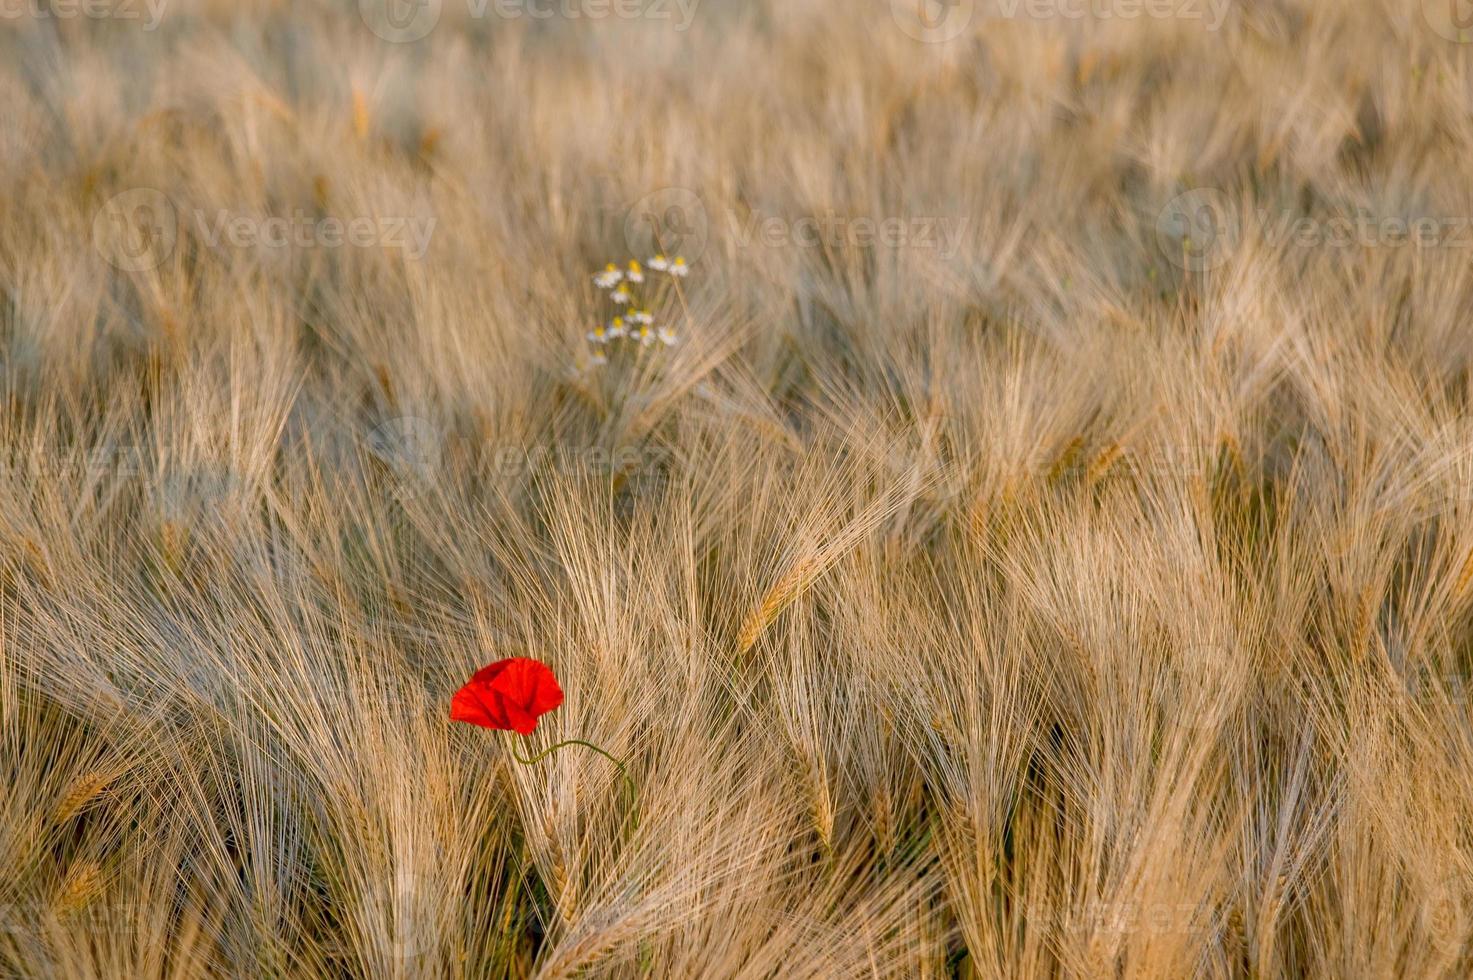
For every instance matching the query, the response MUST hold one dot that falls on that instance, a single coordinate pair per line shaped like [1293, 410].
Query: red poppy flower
[507, 695]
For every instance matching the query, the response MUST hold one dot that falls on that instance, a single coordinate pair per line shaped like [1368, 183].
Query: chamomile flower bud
[667, 336]
[679, 269]
[635, 274]
[659, 263]
[622, 295]
[609, 278]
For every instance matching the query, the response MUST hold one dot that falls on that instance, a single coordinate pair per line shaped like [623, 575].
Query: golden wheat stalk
[1464, 579]
[1102, 462]
[783, 593]
[82, 884]
[82, 791]
[361, 121]
[812, 562]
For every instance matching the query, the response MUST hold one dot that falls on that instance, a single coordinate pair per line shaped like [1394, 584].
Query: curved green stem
[623, 772]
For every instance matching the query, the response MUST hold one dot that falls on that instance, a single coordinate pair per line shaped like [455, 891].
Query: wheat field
[1044, 549]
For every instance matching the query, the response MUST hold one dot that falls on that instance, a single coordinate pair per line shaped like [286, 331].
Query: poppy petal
[508, 694]
[520, 720]
[546, 695]
[469, 707]
[490, 672]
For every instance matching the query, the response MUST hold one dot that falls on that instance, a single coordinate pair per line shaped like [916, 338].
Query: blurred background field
[1046, 552]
